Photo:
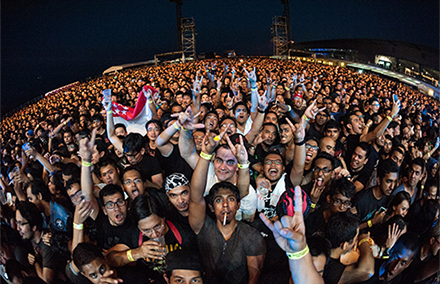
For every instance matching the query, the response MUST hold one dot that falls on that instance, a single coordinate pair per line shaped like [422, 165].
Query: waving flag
[133, 118]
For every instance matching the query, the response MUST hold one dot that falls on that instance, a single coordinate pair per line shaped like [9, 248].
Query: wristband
[243, 166]
[286, 88]
[389, 118]
[429, 154]
[65, 123]
[110, 112]
[313, 205]
[300, 143]
[149, 101]
[422, 187]
[305, 117]
[176, 126]
[363, 241]
[86, 164]
[206, 156]
[260, 111]
[289, 108]
[129, 256]
[78, 226]
[254, 89]
[298, 255]
[369, 223]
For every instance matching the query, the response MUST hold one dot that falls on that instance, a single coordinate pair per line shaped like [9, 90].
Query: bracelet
[389, 118]
[78, 226]
[206, 156]
[110, 112]
[260, 111]
[369, 223]
[305, 117]
[300, 143]
[298, 255]
[363, 241]
[289, 108]
[313, 205]
[176, 126]
[150, 101]
[86, 164]
[65, 123]
[429, 154]
[286, 88]
[129, 256]
[243, 166]
[254, 89]
[422, 187]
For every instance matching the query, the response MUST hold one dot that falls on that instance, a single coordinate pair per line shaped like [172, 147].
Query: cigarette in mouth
[224, 220]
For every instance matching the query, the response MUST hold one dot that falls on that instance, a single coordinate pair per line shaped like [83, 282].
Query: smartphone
[395, 98]
[26, 146]
[382, 209]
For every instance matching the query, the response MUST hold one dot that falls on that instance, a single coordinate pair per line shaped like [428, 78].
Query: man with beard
[343, 231]
[369, 201]
[416, 172]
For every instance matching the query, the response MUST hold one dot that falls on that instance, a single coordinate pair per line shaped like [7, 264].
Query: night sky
[47, 44]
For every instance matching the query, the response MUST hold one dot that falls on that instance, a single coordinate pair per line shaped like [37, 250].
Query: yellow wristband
[363, 241]
[149, 101]
[86, 164]
[205, 156]
[78, 226]
[313, 205]
[298, 255]
[305, 117]
[429, 154]
[65, 123]
[369, 223]
[389, 118]
[422, 187]
[184, 129]
[110, 112]
[243, 166]
[176, 126]
[129, 256]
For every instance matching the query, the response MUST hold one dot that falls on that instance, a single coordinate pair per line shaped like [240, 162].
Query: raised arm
[117, 143]
[379, 130]
[290, 236]
[45, 162]
[85, 151]
[259, 118]
[186, 141]
[241, 155]
[299, 155]
[363, 269]
[197, 204]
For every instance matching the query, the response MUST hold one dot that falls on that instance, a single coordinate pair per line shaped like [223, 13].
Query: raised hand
[109, 278]
[252, 76]
[393, 235]
[209, 143]
[86, 147]
[312, 110]
[82, 211]
[186, 119]
[290, 232]
[239, 150]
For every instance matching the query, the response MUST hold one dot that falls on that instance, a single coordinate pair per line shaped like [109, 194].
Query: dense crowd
[251, 171]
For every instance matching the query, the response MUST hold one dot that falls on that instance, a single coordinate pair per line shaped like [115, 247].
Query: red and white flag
[134, 118]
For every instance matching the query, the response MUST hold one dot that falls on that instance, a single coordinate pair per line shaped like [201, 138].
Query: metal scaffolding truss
[188, 37]
[280, 36]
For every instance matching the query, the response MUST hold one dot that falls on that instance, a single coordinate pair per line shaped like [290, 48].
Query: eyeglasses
[338, 203]
[111, 205]
[158, 228]
[21, 224]
[129, 181]
[324, 170]
[308, 146]
[270, 162]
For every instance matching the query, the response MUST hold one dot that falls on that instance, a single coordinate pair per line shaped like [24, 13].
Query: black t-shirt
[362, 176]
[226, 261]
[313, 132]
[366, 204]
[174, 163]
[148, 167]
[352, 142]
[46, 258]
[315, 223]
[333, 271]
[109, 236]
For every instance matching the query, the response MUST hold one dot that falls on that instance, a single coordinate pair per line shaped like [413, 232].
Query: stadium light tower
[281, 37]
[186, 40]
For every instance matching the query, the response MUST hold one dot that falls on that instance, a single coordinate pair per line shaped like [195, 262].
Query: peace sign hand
[290, 232]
